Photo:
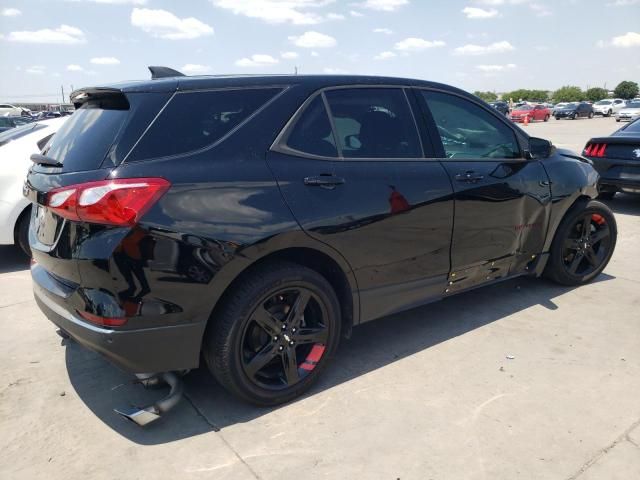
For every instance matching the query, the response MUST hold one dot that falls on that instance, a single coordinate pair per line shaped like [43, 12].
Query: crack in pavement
[602, 452]
[17, 303]
[217, 430]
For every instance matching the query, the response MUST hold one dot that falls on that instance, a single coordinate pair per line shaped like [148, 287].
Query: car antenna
[164, 72]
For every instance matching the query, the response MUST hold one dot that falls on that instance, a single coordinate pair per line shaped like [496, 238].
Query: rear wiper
[44, 160]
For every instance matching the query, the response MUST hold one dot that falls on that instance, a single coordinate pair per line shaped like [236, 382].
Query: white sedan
[629, 113]
[16, 147]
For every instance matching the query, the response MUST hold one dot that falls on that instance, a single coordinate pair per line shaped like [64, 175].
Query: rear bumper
[619, 174]
[148, 350]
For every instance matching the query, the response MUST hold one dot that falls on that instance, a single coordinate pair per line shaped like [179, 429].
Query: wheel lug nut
[291, 343]
[275, 339]
[293, 329]
[280, 348]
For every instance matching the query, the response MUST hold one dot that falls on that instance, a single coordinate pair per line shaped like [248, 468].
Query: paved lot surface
[428, 394]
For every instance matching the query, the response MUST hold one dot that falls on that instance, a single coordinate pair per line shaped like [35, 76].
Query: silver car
[630, 112]
[608, 106]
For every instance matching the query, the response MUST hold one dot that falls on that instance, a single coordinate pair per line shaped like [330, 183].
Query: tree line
[568, 93]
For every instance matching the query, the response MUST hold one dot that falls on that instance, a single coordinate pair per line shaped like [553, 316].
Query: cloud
[385, 56]
[500, 2]
[195, 69]
[417, 44]
[622, 3]
[629, 39]
[74, 68]
[289, 55]
[63, 35]
[479, 13]
[105, 61]
[296, 12]
[11, 12]
[257, 60]
[164, 24]
[496, 68]
[540, 10]
[386, 31]
[35, 70]
[355, 13]
[114, 2]
[496, 47]
[313, 39]
[384, 5]
[334, 71]
[335, 16]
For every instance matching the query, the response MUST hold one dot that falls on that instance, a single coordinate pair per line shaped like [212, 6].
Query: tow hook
[145, 415]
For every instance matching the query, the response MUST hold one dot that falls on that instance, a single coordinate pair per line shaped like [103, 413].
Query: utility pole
[295, 70]
[62, 90]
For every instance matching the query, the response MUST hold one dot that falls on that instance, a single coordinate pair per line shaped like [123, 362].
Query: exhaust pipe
[146, 415]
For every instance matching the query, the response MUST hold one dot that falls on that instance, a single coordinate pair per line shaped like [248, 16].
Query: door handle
[325, 181]
[469, 177]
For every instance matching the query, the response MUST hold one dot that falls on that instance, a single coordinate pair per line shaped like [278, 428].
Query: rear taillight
[120, 202]
[103, 321]
[595, 149]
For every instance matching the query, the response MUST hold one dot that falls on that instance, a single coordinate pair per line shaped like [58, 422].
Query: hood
[630, 110]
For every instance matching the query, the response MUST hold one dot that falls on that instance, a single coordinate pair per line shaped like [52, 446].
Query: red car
[534, 112]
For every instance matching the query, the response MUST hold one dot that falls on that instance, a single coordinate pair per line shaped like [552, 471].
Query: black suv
[254, 220]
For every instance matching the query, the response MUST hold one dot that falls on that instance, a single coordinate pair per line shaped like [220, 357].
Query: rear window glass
[194, 120]
[85, 138]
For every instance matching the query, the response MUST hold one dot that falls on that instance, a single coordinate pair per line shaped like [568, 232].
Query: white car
[12, 110]
[16, 147]
[608, 106]
[630, 112]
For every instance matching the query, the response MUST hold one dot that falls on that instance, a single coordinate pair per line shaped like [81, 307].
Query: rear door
[502, 200]
[361, 184]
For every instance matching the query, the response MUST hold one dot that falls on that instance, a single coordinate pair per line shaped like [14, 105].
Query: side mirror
[539, 148]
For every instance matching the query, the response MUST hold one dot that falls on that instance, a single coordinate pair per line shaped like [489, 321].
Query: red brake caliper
[313, 358]
[599, 219]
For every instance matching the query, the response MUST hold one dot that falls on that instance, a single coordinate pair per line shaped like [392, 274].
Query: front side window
[194, 120]
[312, 131]
[374, 123]
[467, 130]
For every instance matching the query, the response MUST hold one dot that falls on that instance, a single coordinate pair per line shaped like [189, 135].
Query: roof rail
[164, 72]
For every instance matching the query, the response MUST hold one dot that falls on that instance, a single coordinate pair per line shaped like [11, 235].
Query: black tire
[617, 119]
[594, 259]
[546, 118]
[22, 232]
[608, 114]
[557, 118]
[575, 116]
[590, 114]
[235, 340]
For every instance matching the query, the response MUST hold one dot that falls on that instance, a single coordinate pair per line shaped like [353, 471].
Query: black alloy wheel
[285, 339]
[275, 333]
[583, 245]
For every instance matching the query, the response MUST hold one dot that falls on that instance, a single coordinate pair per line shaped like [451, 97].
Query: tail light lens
[595, 150]
[103, 321]
[120, 202]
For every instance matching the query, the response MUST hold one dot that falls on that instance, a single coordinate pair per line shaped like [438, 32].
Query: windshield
[604, 102]
[633, 105]
[525, 107]
[18, 132]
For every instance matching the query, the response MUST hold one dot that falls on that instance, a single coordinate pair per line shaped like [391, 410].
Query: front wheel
[546, 118]
[583, 244]
[275, 333]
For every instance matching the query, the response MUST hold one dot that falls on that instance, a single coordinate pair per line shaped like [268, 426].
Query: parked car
[574, 111]
[558, 106]
[16, 145]
[310, 204]
[631, 111]
[608, 107]
[617, 160]
[502, 107]
[7, 123]
[532, 112]
[12, 110]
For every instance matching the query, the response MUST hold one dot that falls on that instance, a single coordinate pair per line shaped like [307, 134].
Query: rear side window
[374, 123]
[469, 131]
[312, 132]
[194, 120]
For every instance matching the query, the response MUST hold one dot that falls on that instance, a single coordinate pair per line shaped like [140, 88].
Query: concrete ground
[427, 394]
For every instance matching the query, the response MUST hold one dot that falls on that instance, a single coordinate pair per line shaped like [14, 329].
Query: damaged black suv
[254, 220]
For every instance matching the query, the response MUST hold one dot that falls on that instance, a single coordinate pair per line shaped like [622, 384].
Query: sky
[496, 45]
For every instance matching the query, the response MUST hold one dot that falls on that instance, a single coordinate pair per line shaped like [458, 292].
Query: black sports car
[617, 160]
[254, 220]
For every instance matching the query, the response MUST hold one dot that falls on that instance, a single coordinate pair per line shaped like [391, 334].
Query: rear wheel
[22, 232]
[275, 333]
[583, 244]
[590, 114]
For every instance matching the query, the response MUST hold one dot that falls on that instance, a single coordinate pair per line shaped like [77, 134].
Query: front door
[502, 200]
[376, 199]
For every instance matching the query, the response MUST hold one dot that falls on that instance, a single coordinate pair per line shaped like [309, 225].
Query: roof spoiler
[164, 72]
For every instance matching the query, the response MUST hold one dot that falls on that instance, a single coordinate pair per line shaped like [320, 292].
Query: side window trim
[280, 143]
[519, 136]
